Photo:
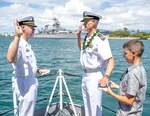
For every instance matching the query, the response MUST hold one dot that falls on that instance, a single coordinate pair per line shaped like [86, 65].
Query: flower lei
[88, 42]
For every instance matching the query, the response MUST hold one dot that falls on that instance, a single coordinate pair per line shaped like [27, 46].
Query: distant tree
[126, 33]
[125, 29]
[142, 35]
[120, 33]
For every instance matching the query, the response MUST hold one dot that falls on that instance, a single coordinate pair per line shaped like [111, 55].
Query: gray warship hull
[70, 36]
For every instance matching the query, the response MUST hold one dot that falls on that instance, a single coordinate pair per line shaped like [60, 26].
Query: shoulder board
[85, 36]
[101, 36]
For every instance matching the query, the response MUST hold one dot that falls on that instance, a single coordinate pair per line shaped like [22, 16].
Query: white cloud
[133, 14]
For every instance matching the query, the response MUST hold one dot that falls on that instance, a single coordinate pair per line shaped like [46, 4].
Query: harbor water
[55, 54]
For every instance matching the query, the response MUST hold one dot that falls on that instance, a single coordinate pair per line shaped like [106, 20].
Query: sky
[117, 14]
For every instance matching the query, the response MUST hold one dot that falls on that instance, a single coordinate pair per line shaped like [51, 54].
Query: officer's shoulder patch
[100, 35]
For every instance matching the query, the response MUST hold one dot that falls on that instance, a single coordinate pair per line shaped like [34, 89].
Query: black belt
[91, 70]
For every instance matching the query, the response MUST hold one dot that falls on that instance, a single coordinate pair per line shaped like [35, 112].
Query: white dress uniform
[93, 60]
[25, 70]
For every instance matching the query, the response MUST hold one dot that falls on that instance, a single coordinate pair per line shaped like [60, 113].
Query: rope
[57, 94]
[78, 99]
[108, 109]
[50, 74]
[36, 101]
[7, 111]
[147, 93]
[41, 100]
[69, 74]
[8, 83]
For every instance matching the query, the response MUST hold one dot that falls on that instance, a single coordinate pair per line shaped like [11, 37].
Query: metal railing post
[61, 79]
[14, 98]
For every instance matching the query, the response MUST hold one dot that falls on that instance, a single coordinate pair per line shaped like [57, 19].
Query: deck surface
[67, 110]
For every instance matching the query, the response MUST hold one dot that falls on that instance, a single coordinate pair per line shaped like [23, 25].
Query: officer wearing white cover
[95, 55]
[23, 60]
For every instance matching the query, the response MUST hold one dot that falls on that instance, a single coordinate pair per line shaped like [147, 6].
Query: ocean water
[55, 54]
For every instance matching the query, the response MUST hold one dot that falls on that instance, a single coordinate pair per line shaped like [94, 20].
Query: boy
[133, 84]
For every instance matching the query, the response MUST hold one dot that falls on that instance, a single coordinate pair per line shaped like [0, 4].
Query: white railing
[60, 78]
[14, 98]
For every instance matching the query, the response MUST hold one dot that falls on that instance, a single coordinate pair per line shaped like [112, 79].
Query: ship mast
[56, 24]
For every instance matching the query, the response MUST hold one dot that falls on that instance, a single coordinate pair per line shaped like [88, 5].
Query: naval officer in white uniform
[95, 56]
[23, 60]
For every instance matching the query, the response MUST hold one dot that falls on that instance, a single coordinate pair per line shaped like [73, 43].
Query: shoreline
[123, 38]
[74, 36]
[58, 36]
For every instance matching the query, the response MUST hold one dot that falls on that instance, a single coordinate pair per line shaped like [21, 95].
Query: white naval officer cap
[90, 15]
[27, 21]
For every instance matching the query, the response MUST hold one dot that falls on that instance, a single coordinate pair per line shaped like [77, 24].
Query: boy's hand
[114, 85]
[108, 90]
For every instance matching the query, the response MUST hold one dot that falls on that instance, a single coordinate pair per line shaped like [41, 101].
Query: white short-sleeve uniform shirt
[95, 57]
[25, 65]
[25, 68]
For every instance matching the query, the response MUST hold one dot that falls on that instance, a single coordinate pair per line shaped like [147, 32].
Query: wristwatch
[38, 70]
[106, 76]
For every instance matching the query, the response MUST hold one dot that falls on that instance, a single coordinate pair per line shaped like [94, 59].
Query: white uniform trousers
[92, 97]
[27, 94]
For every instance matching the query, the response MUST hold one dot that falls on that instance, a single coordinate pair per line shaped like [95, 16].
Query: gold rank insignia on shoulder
[91, 45]
[101, 36]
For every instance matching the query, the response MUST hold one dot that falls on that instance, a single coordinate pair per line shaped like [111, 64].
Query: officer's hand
[44, 71]
[79, 30]
[18, 29]
[103, 82]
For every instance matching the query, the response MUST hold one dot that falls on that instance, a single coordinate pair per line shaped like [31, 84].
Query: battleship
[56, 31]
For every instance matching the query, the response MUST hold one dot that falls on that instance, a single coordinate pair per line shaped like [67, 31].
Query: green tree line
[126, 33]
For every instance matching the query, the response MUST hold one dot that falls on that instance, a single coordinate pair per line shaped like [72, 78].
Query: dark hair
[135, 45]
